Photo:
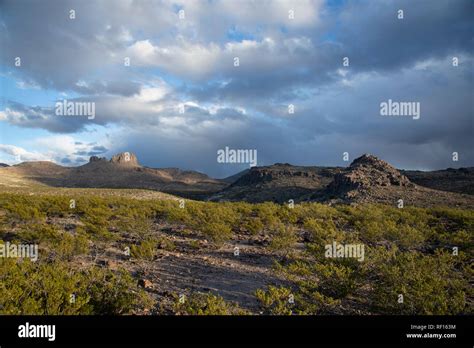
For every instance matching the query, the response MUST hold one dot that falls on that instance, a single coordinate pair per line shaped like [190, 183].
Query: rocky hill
[122, 171]
[365, 173]
[278, 183]
[371, 180]
[367, 179]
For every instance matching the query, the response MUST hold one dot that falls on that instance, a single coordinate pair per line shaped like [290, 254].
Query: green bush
[28, 288]
[283, 239]
[402, 253]
[22, 209]
[71, 245]
[253, 225]
[166, 244]
[205, 304]
[217, 232]
[146, 250]
[322, 231]
[39, 233]
[267, 212]
[276, 300]
[429, 284]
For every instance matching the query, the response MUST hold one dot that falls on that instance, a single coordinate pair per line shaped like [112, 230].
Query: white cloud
[154, 91]
[195, 60]
[18, 154]
[61, 149]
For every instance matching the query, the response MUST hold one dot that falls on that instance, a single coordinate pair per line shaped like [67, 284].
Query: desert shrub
[219, 212]
[253, 225]
[461, 238]
[406, 236]
[166, 244]
[205, 304]
[60, 244]
[132, 220]
[267, 212]
[243, 208]
[96, 215]
[205, 216]
[430, 284]
[276, 300]
[115, 293]
[452, 227]
[22, 208]
[457, 218]
[39, 233]
[35, 289]
[70, 245]
[178, 215]
[95, 221]
[194, 244]
[305, 211]
[322, 231]
[407, 227]
[286, 214]
[146, 250]
[319, 287]
[283, 239]
[336, 279]
[55, 205]
[217, 232]
[319, 283]
[28, 288]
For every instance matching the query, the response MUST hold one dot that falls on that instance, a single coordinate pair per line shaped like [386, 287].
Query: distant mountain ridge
[122, 171]
[366, 179]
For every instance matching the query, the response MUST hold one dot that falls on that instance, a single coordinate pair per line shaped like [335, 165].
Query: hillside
[459, 180]
[122, 171]
[368, 179]
[371, 180]
[277, 183]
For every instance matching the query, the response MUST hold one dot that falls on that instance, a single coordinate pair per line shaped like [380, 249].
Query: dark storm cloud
[337, 107]
[41, 117]
[375, 39]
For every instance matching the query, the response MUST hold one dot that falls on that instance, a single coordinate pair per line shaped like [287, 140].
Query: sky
[163, 80]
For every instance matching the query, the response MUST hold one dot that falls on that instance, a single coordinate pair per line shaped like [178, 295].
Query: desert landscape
[115, 237]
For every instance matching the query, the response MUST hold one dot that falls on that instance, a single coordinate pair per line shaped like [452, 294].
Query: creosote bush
[276, 300]
[408, 251]
[205, 304]
[28, 288]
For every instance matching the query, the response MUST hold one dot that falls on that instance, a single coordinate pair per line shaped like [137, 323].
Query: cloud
[188, 65]
[61, 149]
[19, 154]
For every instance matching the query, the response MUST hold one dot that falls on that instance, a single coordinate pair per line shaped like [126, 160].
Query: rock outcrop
[365, 173]
[125, 158]
[278, 183]
[97, 159]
